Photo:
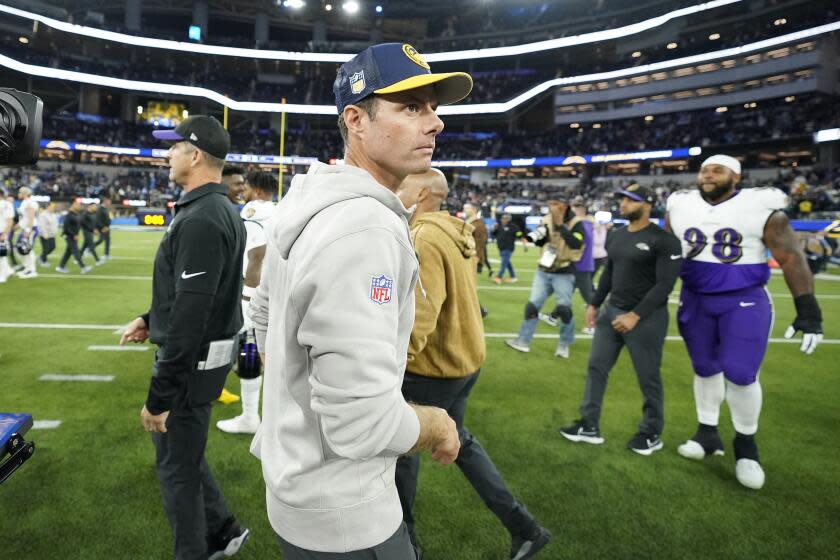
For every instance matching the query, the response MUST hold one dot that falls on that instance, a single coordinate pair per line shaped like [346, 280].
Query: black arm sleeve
[573, 237]
[179, 356]
[604, 285]
[667, 271]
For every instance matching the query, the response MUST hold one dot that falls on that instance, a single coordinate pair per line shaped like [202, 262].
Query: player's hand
[136, 331]
[626, 322]
[154, 422]
[809, 321]
[445, 451]
[591, 315]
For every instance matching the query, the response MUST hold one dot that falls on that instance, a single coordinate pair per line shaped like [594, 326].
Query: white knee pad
[745, 406]
[708, 396]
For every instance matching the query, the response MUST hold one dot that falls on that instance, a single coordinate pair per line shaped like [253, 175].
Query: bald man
[445, 353]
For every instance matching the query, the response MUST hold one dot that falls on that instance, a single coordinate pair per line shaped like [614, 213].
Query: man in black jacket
[103, 225]
[643, 262]
[70, 232]
[194, 319]
[89, 225]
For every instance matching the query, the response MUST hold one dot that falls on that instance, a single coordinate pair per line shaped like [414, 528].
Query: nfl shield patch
[380, 289]
[357, 82]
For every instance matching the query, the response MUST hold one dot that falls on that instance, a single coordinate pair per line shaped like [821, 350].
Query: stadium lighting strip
[471, 54]
[465, 109]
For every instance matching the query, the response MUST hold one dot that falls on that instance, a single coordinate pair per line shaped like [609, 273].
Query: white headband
[726, 161]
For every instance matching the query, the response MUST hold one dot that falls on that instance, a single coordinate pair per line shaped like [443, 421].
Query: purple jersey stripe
[711, 278]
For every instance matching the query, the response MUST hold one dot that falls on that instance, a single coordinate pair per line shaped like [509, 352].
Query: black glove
[809, 321]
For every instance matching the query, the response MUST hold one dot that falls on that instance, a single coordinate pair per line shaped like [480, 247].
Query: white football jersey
[25, 222]
[7, 212]
[256, 215]
[723, 246]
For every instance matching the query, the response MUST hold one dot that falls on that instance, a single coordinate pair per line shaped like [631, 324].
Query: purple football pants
[726, 332]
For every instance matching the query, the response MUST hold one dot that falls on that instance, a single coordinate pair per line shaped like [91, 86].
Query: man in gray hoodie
[333, 315]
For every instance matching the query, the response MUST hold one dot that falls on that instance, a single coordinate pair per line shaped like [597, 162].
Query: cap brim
[167, 135]
[630, 195]
[450, 87]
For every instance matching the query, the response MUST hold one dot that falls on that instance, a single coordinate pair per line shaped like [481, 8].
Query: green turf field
[90, 490]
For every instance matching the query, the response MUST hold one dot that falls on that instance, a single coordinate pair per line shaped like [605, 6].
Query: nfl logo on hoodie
[380, 289]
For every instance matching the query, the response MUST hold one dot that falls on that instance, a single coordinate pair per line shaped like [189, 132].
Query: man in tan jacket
[445, 353]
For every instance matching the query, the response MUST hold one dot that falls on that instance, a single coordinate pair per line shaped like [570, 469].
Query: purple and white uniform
[725, 313]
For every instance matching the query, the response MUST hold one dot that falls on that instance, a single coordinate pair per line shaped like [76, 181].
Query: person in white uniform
[7, 219]
[28, 215]
[260, 189]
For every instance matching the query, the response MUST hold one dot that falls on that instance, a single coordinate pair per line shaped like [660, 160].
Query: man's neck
[382, 176]
[640, 224]
[199, 180]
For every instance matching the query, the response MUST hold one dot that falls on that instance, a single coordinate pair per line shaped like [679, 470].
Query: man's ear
[355, 119]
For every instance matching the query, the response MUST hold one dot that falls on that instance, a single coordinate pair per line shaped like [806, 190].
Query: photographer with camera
[561, 236]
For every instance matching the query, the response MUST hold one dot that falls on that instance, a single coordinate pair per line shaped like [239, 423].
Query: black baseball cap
[203, 132]
[391, 68]
[638, 193]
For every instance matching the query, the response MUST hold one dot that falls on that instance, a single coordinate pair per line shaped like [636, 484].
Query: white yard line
[82, 326]
[119, 348]
[668, 338]
[45, 424]
[76, 377]
[93, 277]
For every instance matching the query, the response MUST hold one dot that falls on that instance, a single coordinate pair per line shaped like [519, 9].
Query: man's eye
[413, 107]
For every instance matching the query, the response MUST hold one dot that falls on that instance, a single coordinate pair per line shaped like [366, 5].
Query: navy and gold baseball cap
[639, 193]
[391, 68]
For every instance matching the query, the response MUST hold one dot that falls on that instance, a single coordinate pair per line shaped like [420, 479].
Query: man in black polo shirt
[70, 231]
[194, 319]
[643, 262]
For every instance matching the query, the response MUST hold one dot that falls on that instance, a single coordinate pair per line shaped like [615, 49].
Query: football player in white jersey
[7, 220]
[25, 245]
[260, 189]
[725, 313]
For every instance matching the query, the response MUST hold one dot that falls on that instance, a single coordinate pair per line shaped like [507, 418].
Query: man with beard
[233, 177]
[725, 311]
[643, 263]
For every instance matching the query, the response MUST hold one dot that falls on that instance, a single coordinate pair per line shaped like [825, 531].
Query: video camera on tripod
[21, 122]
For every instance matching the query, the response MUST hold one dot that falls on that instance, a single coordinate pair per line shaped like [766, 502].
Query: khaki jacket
[565, 254]
[448, 335]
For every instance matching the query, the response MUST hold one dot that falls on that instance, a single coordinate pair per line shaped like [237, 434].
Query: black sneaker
[704, 443]
[227, 542]
[527, 545]
[645, 444]
[580, 432]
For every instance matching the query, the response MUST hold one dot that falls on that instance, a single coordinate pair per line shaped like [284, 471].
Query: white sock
[745, 406]
[708, 396]
[5, 267]
[28, 262]
[250, 389]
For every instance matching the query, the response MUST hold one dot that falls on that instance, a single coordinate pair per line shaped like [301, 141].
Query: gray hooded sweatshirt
[333, 315]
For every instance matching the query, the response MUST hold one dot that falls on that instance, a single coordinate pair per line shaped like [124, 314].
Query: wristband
[248, 291]
[807, 308]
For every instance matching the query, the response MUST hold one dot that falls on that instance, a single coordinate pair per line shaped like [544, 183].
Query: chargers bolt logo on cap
[414, 56]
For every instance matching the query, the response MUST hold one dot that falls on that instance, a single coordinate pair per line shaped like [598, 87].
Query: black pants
[451, 395]
[72, 249]
[47, 247]
[583, 282]
[191, 498]
[90, 245]
[104, 237]
[397, 547]
[644, 343]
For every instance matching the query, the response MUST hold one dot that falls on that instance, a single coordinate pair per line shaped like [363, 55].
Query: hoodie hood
[459, 231]
[322, 186]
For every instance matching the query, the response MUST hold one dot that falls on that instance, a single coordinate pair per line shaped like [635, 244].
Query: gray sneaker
[86, 269]
[562, 351]
[548, 319]
[517, 344]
